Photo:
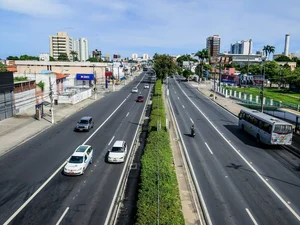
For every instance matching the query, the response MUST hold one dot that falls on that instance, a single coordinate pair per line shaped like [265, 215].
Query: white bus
[265, 128]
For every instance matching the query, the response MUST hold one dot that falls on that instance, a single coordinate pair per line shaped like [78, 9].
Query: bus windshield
[283, 129]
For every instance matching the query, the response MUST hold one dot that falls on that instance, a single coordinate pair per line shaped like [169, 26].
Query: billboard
[82, 76]
[231, 79]
[251, 80]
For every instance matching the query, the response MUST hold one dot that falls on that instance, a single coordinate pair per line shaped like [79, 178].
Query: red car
[140, 98]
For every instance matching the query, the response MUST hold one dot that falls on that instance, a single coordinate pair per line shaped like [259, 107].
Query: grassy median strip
[158, 195]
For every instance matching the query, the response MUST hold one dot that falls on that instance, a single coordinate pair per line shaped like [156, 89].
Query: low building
[291, 64]
[242, 60]
[6, 95]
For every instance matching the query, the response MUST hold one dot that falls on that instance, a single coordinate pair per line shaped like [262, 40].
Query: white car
[146, 86]
[118, 152]
[79, 161]
[135, 90]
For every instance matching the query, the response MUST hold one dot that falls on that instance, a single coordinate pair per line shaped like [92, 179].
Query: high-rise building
[76, 47]
[213, 44]
[243, 47]
[145, 56]
[287, 45]
[83, 53]
[60, 43]
[134, 56]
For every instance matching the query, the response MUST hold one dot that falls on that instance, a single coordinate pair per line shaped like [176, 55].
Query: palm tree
[202, 55]
[268, 49]
[74, 54]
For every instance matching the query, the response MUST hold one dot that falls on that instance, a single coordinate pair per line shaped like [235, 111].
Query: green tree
[271, 71]
[206, 67]
[202, 55]
[283, 58]
[2, 67]
[63, 57]
[163, 66]
[74, 55]
[187, 73]
[184, 58]
[297, 60]
[28, 57]
[12, 58]
[93, 59]
[51, 58]
[268, 49]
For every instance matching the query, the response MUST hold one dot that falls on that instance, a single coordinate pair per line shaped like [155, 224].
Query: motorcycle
[192, 132]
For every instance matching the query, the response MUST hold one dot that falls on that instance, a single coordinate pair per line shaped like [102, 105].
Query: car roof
[86, 118]
[118, 144]
[134, 88]
[82, 148]
[78, 154]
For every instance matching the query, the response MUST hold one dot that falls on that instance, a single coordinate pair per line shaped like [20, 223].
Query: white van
[79, 161]
[118, 152]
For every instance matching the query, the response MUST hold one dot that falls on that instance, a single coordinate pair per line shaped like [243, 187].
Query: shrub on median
[157, 162]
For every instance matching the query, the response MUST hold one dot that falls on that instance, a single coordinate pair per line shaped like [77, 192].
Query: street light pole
[51, 99]
[262, 85]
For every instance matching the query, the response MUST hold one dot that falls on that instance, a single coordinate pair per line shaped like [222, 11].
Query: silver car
[134, 90]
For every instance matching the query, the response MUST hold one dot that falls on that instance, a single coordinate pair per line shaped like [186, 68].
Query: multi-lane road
[240, 182]
[33, 189]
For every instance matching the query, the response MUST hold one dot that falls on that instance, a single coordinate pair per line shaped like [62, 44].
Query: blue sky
[139, 26]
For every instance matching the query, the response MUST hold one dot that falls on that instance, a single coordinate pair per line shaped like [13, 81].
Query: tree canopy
[23, 57]
[2, 67]
[63, 57]
[283, 58]
[163, 65]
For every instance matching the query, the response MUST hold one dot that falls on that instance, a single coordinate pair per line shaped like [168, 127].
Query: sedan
[146, 86]
[134, 90]
[140, 98]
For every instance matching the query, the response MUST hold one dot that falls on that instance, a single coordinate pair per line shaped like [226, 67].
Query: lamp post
[263, 59]
[280, 77]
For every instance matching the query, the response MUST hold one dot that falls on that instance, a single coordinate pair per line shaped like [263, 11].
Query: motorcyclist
[192, 129]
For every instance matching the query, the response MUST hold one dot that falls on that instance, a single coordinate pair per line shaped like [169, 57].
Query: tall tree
[163, 66]
[202, 55]
[74, 55]
[63, 57]
[268, 49]
[2, 67]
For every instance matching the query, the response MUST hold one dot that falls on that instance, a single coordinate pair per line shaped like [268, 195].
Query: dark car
[140, 98]
[84, 124]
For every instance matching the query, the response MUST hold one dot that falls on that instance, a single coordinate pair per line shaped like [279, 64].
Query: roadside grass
[284, 95]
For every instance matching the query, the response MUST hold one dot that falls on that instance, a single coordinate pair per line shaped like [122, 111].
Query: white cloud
[44, 8]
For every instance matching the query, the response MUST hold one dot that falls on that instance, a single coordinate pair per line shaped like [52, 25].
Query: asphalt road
[80, 200]
[241, 183]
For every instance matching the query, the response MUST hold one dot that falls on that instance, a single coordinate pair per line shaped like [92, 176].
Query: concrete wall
[73, 99]
[24, 100]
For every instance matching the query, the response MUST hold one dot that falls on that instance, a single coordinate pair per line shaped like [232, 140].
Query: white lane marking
[251, 216]
[108, 216]
[127, 114]
[191, 120]
[62, 216]
[245, 160]
[200, 195]
[111, 140]
[59, 169]
[178, 97]
[183, 106]
[208, 148]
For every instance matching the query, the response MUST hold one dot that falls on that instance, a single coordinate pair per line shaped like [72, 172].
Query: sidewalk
[16, 130]
[231, 105]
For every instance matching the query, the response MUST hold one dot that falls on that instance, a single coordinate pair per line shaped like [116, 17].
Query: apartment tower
[213, 44]
[60, 43]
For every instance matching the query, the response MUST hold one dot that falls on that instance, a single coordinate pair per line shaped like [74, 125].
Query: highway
[241, 183]
[32, 172]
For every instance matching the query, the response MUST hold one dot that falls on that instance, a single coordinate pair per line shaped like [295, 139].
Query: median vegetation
[158, 198]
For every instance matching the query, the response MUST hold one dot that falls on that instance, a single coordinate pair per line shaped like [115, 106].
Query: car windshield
[117, 149]
[84, 121]
[76, 159]
[140, 96]
[283, 129]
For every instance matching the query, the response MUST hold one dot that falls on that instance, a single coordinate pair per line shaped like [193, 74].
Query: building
[77, 71]
[145, 56]
[213, 44]
[83, 53]
[287, 45]
[44, 57]
[243, 47]
[106, 58]
[135, 56]
[61, 43]
[76, 47]
[296, 54]
[291, 64]
[6, 95]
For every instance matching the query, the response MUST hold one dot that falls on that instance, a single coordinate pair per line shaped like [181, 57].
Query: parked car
[146, 86]
[79, 161]
[84, 124]
[134, 90]
[140, 98]
[118, 152]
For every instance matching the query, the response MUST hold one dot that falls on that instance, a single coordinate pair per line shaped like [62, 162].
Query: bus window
[283, 129]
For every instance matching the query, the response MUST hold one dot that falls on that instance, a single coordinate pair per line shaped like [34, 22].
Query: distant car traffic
[84, 124]
[140, 98]
[79, 161]
[134, 90]
[146, 86]
[118, 152]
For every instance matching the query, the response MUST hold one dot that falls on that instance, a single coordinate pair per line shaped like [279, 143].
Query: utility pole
[250, 41]
[220, 71]
[262, 85]
[51, 99]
